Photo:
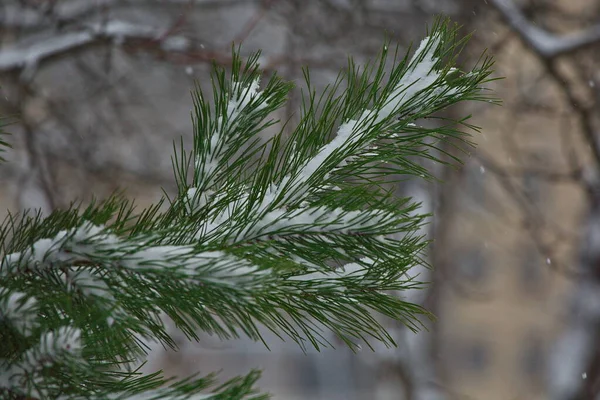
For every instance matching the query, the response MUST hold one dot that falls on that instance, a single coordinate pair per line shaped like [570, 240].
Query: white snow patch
[19, 309]
[52, 344]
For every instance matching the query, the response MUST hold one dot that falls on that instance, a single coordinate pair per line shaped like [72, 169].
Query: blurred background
[101, 88]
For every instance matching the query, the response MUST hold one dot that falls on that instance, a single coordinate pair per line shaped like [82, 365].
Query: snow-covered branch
[18, 310]
[244, 100]
[314, 210]
[546, 44]
[547, 47]
[24, 55]
[90, 245]
[54, 347]
[16, 16]
[420, 75]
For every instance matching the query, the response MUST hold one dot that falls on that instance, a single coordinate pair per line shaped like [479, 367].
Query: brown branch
[176, 26]
[18, 17]
[253, 22]
[534, 220]
[544, 43]
[21, 55]
[585, 114]
[547, 47]
[137, 37]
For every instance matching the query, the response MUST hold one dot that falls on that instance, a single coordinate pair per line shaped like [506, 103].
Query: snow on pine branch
[271, 218]
[298, 221]
[318, 220]
[90, 245]
[86, 282]
[411, 89]
[19, 310]
[244, 99]
[54, 347]
[353, 269]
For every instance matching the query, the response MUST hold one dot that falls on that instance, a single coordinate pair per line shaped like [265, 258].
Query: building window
[472, 266]
[475, 183]
[533, 185]
[308, 379]
[476, 356]
[531, 271]
[533, 360]
[469, 355]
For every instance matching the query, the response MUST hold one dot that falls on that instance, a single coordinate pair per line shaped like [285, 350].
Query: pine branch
[249, 241]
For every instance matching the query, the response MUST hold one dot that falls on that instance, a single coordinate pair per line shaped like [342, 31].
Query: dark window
[531, 271]
[533, 185]
[467, 355]
[307, 377]
[472, 265]
[533, 359]
[475, 183]
[476, 356]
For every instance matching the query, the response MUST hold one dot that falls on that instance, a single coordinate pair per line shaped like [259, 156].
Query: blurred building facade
[513, 244]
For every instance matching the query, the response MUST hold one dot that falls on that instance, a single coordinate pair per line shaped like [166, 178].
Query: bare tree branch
[22, 55]
[544, 43]
[13, 16]
[253, 22]
[547, 47]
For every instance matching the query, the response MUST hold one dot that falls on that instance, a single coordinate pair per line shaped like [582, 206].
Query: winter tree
[293, 234]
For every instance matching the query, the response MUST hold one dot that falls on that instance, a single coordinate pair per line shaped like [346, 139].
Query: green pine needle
[295, 235]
